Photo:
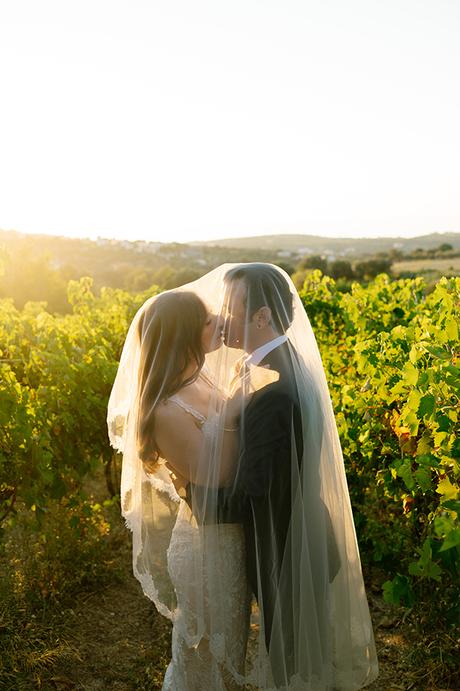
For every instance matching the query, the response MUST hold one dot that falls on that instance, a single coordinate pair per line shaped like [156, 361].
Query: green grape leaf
[424, 445]
[410, 374]
[426, 406]
[405, 472]
[455, 448]
[398, 590]
[452, 540]
[425, 567]
[451, 329]
[440, 353]
[414, 399]
[443, 422]
[452, 505]
[423, 478]
[447, 489]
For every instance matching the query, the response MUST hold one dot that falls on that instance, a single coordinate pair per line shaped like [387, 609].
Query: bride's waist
[187, 529]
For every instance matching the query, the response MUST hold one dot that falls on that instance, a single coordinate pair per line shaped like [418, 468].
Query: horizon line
[94, 237]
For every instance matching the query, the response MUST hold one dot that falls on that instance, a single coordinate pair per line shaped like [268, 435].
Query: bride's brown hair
[170, 334]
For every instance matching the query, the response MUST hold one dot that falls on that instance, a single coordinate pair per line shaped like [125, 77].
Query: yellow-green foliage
[392, 357]
[56, 373]
[391, 353]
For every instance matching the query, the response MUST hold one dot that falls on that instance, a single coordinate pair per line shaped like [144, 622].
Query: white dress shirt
[262, 351]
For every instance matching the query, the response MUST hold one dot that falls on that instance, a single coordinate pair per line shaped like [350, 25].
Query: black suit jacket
[264, 484]
[271, 425]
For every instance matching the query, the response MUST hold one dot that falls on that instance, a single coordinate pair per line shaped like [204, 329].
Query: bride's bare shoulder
[172, 411]
[167, 410]
[178, 436]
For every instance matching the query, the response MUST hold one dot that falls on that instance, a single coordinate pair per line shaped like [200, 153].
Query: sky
[180, 120]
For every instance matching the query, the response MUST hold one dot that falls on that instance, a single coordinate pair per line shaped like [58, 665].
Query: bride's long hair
[170, 335]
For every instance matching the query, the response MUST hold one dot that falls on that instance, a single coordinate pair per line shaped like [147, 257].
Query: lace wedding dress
[219, 623]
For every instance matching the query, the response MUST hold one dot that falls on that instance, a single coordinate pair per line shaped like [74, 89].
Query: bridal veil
[285, 483]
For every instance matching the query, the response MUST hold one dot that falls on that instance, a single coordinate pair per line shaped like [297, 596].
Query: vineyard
[391, 351]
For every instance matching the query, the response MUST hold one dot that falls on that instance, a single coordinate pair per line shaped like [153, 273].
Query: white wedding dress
[209, 636]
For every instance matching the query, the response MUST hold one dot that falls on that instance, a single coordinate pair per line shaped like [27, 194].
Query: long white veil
[310, 625]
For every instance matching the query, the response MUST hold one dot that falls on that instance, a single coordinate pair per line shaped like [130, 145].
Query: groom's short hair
[265, 287]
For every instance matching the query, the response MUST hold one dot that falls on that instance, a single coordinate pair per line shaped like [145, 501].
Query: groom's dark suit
[264, 485]
[271, 425]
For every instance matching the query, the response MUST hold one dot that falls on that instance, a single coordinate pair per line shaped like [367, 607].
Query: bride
[175, 401]
[233, 486]
[176, 331]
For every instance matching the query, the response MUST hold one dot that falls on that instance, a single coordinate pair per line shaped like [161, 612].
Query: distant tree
[33, 279]
[182, 276]
[172, 249]
[288, 268]
[69, 272]
[137, 279]
[395, 254]
[371, 268]
[315, 261]
[163, 275]
[110, 276]
[445, 247]
[341, 268]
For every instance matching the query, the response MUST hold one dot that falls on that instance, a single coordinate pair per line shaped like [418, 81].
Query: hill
[39, 267]
[354, 247]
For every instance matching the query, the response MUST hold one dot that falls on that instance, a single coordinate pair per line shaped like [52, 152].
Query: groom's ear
[262, 317]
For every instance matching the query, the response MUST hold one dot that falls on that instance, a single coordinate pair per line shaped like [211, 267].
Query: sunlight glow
[171, 120]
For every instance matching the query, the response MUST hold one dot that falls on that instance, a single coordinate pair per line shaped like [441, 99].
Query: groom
[260, 310]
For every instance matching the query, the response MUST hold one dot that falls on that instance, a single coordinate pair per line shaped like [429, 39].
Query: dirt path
[121, 643]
